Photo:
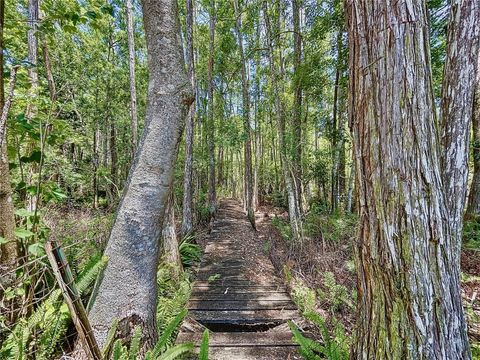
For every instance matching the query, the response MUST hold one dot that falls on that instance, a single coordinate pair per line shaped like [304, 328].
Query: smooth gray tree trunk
[128, 289]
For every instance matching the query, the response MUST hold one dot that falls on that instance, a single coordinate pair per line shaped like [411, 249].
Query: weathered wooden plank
[239, 339]
[246, 295]
[236, 283]
[254, 352]
[241, 305]
[219, 289]
[243, 316]
[222, 279]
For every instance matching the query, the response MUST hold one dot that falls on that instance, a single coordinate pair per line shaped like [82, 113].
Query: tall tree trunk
[187, 220]
[33, 19]
[297, 106]
[48, 69]
[473, 209]
[131, 67]
[113, 160]
[248, 190]
[128, 290]
[8, 251]
[170, 240]
[212, 193]
[409, 302]
[293, 211]
[334, 136]
[456, 109]
[95, 163]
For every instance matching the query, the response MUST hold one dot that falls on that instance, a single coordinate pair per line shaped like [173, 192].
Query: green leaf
[3, 241]
[91, 14]
[24, 213]
[23, 233]
[36, 249]
[204, 346]
[176, 351]
[107, 9]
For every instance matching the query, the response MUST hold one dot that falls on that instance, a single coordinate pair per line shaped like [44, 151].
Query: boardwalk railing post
[64, 277]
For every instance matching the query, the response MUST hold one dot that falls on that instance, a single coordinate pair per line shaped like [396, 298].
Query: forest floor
[322, 267]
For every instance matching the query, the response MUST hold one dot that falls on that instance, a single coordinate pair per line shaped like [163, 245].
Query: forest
[240, 179]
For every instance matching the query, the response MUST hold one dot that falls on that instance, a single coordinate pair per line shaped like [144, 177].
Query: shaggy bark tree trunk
[473, 208]
[128, 290]
[187, 217]
[131, 67]
[248, 191]
[8, 251]
[409, 302]
[456, 109]
[212, 193]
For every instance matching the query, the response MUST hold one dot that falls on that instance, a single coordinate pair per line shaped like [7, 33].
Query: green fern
[335, 348]
[119, 351]
[175, 351]
[50, 318]
[189, 252]
[135, 343]
[90, 274]
[308, 347]
[110, 338]
[204, 346]
[162, 342]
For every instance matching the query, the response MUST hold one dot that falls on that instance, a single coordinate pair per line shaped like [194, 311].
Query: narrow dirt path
[238, 297]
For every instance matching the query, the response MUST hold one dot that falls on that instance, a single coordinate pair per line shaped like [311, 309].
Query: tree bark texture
[8, 251]
[128, 290]
[409, 302]
[458, 90]
[131, 67]
[170, 240]
[212, 193]
[187, 213]
[473, 208]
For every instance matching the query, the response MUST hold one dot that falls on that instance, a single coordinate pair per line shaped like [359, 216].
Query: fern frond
[175, 351]
[90, 273]
[204, 346]
[135, 343]
[308, 347]
[167, 334]
[119, 351]
[110, 338]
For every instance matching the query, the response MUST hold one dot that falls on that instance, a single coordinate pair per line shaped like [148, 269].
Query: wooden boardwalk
[238, 297]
